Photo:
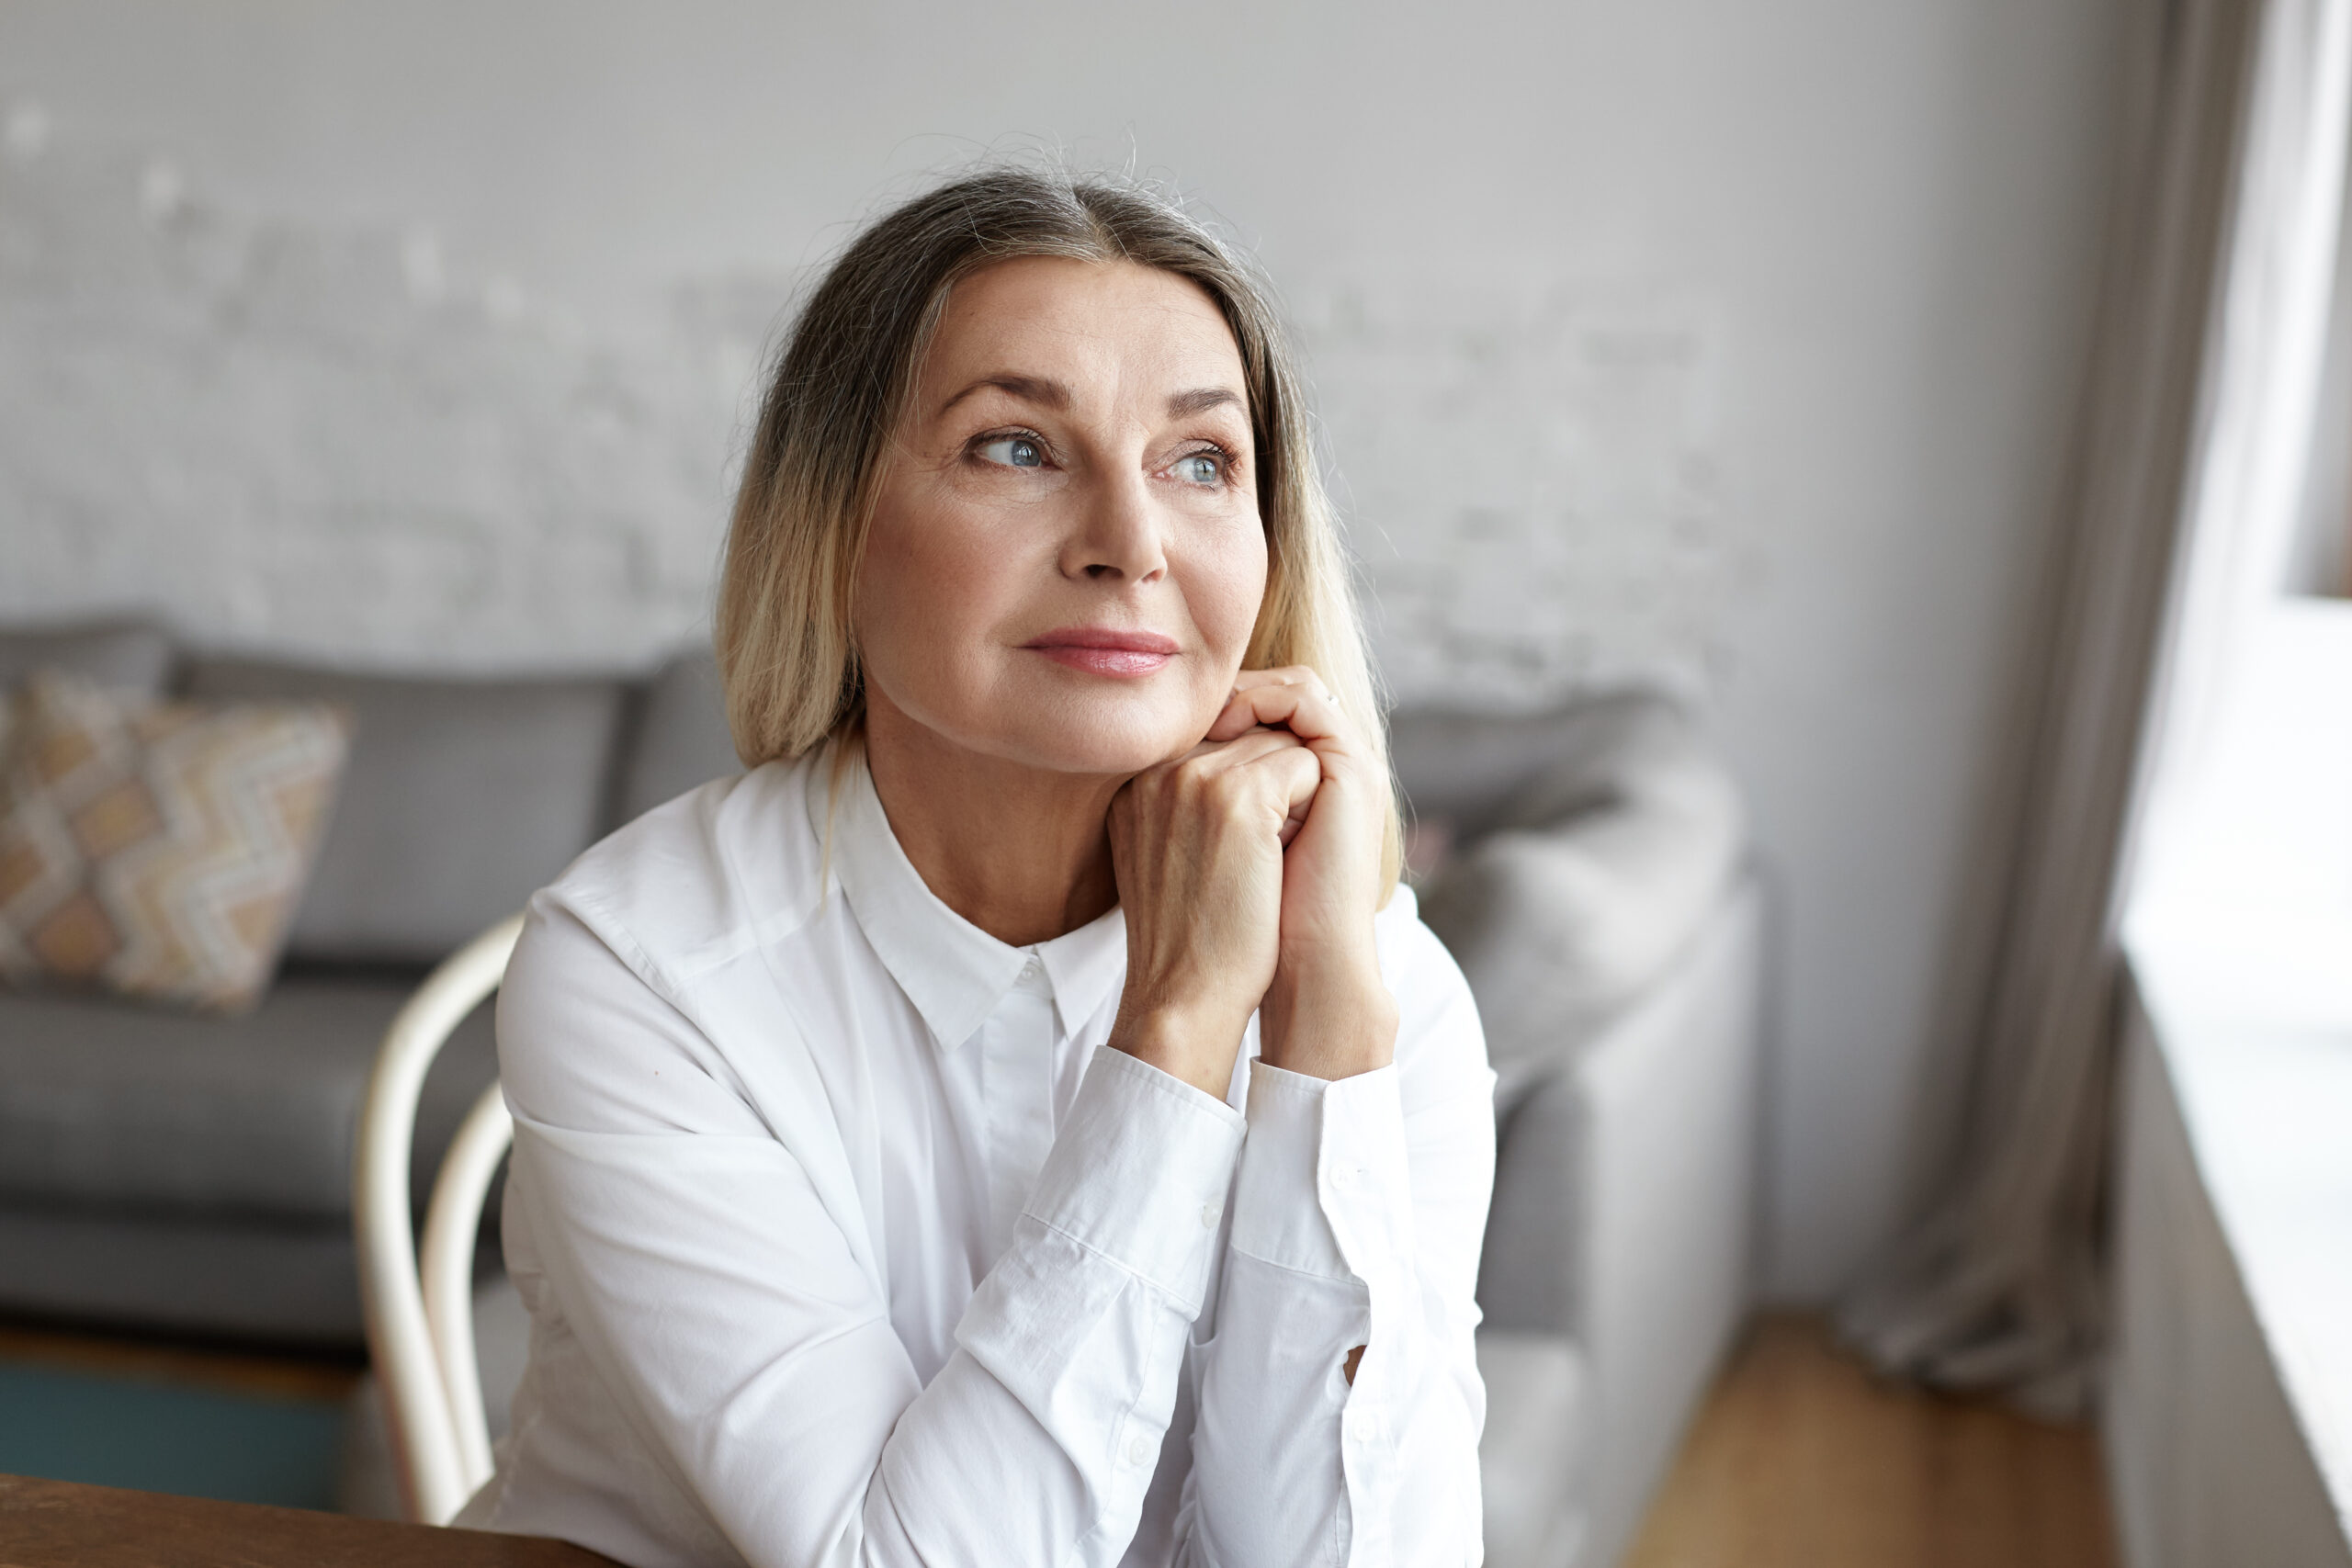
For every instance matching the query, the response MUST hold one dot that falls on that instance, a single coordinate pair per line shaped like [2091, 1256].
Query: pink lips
[1099, 651]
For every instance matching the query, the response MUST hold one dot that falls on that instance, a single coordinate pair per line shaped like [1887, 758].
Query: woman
[1020, 1120]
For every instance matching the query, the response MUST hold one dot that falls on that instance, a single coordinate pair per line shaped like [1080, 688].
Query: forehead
[1083, 321]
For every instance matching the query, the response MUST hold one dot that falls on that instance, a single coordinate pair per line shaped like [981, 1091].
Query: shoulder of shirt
[1410, 952]
[1421, 972]
[698, 883]
[1438, 1026]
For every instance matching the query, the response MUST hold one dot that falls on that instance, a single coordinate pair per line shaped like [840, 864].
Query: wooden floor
[1801, 1457]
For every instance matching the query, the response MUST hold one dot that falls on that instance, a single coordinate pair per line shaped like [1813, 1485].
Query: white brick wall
[308, 439]
[1531, 484]
[331, 441]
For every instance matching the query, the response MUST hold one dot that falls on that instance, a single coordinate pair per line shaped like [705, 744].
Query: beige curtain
[2217, 252]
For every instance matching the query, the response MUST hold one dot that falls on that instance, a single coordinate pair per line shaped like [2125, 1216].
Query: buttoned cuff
[1340, 1142]
[1276, 1217]
[1140, 1172]
[1365, 1173]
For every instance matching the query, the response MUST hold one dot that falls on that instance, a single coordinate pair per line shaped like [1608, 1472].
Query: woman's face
[1065, 562]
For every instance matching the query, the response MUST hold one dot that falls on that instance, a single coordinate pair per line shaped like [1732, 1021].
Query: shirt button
[1209, 1213]
[1138, 1449]
[1343, 1177]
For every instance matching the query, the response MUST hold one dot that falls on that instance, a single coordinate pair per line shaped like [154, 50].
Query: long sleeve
[1357, 1212]
[694, 1260]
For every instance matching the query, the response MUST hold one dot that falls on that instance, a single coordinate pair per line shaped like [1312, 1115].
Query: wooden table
[57, 1524]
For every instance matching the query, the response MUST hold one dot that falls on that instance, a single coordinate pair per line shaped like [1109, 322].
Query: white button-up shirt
[846, 1240]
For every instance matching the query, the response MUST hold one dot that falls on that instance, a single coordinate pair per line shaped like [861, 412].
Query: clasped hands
[1249, 870]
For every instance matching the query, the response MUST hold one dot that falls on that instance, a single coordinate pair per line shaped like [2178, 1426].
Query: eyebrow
[1054, 395]
[1200, 399]
[1029, 388]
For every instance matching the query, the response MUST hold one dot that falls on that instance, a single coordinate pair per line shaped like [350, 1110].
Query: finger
[1307, 708]
[1298, 773]
[1290, 770]
[1245, 748]
[1283, 675]
[1266, 691]
[1295, 818]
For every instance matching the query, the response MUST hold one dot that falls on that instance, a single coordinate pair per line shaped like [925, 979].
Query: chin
[1101, 752]
[1106, 733]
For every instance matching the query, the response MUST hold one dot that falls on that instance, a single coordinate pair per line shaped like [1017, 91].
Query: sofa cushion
[125, 656]
[104, 1104]
[680, 738]
[279, 1283]
[461, 799]
[1461, 768]
[1533, 1467]
[1530, 1267]
[1597, 865]
[157, 847]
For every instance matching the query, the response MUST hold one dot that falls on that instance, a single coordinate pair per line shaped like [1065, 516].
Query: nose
[1118, 535]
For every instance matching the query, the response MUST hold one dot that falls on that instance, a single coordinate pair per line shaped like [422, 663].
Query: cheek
[1227, 585]
[925, 585]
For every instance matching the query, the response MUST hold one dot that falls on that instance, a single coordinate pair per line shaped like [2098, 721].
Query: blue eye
[1014, 452]
[1200, 468]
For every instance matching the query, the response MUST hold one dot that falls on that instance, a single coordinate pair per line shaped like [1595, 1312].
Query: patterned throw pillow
[157, 849]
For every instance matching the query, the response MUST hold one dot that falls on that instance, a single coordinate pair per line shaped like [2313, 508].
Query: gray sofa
[165, 1171]
[190, 1175]
[1600, 904]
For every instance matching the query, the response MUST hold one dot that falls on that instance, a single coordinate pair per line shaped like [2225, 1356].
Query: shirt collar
[955, 973]
[1084, 964]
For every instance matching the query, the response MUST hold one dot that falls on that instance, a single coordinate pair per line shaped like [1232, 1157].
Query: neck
[1022, 853]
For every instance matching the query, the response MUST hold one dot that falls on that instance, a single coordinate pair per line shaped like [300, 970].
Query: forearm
[1326, 1018]
[1292, 1460]
[1329, 1017]
[749, 1347]
[1196, 1045]
[1074, 1341]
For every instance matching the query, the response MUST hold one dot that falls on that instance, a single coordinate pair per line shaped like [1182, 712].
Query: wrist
[1180, 1043]
[1329, 1021]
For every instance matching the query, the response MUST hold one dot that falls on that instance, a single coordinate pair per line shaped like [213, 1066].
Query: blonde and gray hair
[841, 385]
